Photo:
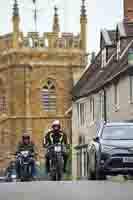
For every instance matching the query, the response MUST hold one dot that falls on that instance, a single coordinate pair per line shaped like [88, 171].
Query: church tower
[128, 10]
[83, 26]
[16, 23]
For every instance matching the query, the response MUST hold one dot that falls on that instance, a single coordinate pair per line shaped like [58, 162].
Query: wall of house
[121, 112]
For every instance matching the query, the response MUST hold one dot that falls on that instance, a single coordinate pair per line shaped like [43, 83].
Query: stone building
[37, 74]
[105, 90]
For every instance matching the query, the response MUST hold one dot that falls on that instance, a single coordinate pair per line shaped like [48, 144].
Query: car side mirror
[96, 139]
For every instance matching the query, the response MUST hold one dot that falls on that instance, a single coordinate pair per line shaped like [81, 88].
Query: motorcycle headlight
[106, 148]
[13, 175]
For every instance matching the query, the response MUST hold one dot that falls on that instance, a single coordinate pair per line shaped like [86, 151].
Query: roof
[96, 77]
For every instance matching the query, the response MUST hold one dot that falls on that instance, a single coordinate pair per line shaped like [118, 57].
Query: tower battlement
[51, 40]
[47, 40]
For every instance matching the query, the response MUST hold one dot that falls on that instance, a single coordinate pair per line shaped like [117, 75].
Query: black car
[111, 151]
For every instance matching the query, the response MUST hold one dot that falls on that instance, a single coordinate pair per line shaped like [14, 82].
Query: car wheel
[100, 175]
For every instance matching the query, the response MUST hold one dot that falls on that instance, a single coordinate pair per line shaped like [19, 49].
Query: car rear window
[118, 132]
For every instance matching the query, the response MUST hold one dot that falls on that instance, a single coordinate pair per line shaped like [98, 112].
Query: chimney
[128, 10]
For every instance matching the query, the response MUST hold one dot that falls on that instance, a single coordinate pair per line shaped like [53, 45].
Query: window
[92, 111]
[118, 49]
[48, 94]
[104, 57]
[101, 96]
[131, 88]
[116, 96]
[81, 114]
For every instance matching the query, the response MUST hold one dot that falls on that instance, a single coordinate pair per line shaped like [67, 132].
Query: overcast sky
[101, 14]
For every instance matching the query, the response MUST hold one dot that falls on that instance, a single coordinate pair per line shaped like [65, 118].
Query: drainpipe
[105, 105]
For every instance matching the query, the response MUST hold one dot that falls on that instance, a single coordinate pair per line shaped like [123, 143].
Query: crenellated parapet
[51, 40]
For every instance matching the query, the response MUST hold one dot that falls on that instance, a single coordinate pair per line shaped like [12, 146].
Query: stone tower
[37, 74]
[128, 10]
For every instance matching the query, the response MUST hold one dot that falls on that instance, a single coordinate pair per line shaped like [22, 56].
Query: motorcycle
[11, 175]
[25, 158]
[56, 160]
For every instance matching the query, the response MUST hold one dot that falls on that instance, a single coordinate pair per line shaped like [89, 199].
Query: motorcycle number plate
[57, 148]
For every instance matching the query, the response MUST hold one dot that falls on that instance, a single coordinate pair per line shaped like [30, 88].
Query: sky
[100, 13]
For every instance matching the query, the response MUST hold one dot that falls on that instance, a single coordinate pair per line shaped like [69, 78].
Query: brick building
[37, 74]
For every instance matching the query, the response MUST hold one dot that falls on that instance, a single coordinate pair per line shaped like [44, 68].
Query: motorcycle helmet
[56, 125]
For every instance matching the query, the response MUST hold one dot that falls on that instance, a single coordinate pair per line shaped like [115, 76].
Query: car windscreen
[118, 133]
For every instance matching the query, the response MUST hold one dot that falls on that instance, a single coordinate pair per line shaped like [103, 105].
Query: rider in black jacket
[26, 145]
[55, 135]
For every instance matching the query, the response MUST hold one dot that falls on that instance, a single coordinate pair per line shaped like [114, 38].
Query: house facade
[105, 91]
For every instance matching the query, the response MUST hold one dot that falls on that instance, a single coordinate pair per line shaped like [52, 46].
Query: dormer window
[118, 49]
[104, 57]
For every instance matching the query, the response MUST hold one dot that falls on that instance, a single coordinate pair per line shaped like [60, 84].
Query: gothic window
[48, 94]
[3, 107]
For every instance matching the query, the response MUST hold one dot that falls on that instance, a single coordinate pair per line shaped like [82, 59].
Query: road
[83, 190]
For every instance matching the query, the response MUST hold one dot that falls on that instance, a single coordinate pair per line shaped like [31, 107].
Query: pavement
[69, 190]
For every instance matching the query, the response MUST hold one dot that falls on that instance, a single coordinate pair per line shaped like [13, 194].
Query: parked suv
[111, 151]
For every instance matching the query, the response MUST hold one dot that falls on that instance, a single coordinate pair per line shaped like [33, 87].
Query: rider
[26, 145]
[55, 135]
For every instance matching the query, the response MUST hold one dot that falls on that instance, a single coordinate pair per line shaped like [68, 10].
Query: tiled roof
[96, 78]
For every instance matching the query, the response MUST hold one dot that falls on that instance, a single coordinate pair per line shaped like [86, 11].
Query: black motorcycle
[25, 158]
[56, 152]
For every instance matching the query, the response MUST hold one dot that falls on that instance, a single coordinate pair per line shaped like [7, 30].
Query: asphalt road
[83, 190]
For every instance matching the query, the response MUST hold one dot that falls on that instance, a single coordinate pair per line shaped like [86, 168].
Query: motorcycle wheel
[59, 168]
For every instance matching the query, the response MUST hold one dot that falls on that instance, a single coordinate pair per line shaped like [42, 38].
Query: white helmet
[56, 123]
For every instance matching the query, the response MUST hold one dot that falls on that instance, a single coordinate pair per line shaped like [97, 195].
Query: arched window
[3, 106]
[48, 94]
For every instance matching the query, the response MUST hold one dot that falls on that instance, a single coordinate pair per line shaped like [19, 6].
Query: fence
[82, 161]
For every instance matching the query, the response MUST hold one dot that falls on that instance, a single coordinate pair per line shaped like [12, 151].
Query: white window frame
[92, 109]
[101, 97]
[131, 88]
[116, 97]
[82, 116]
[104, 57]
[118, 49]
